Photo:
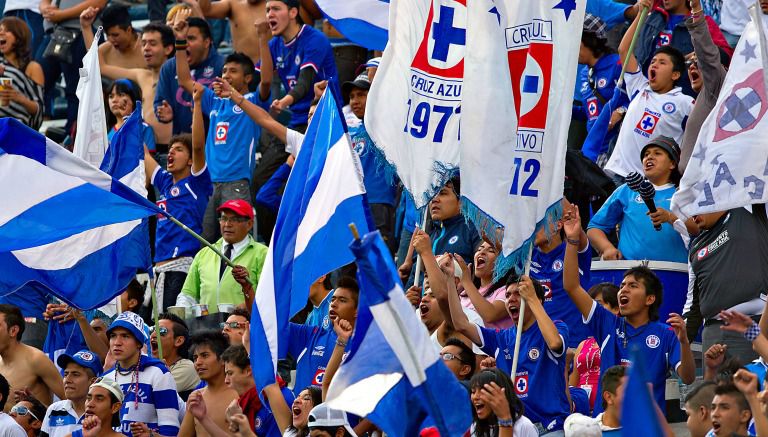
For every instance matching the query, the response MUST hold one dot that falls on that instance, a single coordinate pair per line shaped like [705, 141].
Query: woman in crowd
[488, 300]
[305, 401]
[122, 98]
[22, 98]
[496, 410]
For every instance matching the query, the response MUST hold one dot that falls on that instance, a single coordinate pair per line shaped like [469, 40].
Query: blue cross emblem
[648, 122]
[737, 109]
[445, 34]
[522, 385]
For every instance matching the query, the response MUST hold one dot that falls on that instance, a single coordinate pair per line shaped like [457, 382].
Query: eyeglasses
[163, 331]
[447, 356]
[21, 410]
[233, 219]
[692, 61]
[231, 325]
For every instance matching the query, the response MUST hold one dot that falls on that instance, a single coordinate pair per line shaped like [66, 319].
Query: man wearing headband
[102, 410]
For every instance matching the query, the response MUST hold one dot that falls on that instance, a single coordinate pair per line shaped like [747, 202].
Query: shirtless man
[242, 15]
[157, 45]
[207, 349]
[26, 368]
[123, 46]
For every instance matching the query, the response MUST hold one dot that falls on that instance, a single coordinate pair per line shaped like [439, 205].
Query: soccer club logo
[652, 341]
[162, 204]
[318, 378]
[453, 239]
[743, 109]
[557, 265]
[441, 51]
[602, 82]
[257, 422]
[534, 354]
[702, 253]
[592, 108]
[669, 108]
[521, 384]
[665, 38]
[647, 124]
[237, 110]
[174, 191]
[220, 135]
[85, 356]
[530, 55]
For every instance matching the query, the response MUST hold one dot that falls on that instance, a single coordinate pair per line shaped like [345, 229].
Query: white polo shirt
[61, 419]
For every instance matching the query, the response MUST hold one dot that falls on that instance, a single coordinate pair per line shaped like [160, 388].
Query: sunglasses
[690, 62]
[231, 325]
[21, 410]
[447, 356]
[163, 331]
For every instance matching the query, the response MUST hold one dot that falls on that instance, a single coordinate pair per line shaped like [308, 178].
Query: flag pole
[417, 273]
[155, 314]
[643, 16]
[520, 319]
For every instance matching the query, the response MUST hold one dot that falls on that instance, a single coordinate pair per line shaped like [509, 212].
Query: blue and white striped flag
[323, 195]
[64, 223]
[392, 374]
[364, 22]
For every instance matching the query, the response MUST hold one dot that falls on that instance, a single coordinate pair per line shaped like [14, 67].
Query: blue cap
[133, 323]
[84, 358]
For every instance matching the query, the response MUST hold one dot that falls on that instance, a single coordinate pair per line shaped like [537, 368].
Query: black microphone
[647, 192]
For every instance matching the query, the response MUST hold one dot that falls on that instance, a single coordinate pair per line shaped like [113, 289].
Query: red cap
[239, 207]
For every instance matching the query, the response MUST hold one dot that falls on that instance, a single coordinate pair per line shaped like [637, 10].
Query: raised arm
[280, 408]
[215, 9]
[149, 165]
[571, 283]
[198, 131]
[257, 114]
[56, 15]
[489, 311]
[456, 313]
[267, 67]
[343, 331]
[546, 325]
[438, 282]
[627, 39]
[180, 28]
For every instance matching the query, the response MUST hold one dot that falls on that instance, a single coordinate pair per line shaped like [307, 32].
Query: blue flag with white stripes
[364, 22]
[324, 193]
[392, 375]
[65, 224]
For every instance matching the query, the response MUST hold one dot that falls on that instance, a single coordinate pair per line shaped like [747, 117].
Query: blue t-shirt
[547, 268]
[605, 73]
[539, 380]
[637, 237]
[611, 12]
[656, 340]
[311, 346]
[309, 49]
[377, 188]
[147, 133]
[233, 137]
[319, 315]
[664, 38]
[264, 422]
[185, 200]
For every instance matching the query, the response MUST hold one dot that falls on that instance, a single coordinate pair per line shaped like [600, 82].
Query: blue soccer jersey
[230, 148]
[656, 340]
[319, 314]
[309, 49]
[540, 376]
[547, 268]
[147, 134]
[311, 346]
[186, 200]
[378, 187]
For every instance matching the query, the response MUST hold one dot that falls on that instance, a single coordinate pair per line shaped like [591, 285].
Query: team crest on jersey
[592, 108]
[162, 204]
[521, 384]
[257, 422]
[237, 110]
[174, 191]
[652, 341]
[318, 378]
[669, 108]
[547, 290]
[602, 82]
[297, 60]
[665, 38]
[702, 253]
[358, 145]
[222, 130]
[647, 123]
[208, 71]
[557, 265]
[326, 322]
[534, 354]
[638, 199]
[453, 239]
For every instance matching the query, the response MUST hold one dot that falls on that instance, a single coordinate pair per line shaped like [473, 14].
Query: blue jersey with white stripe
[617, 338]
[539, 380]
[311, 346]
[154, 401]
[186, 200]
[309, 49]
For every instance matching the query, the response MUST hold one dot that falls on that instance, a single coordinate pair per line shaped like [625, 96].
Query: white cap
[111, 386]
[322, 416]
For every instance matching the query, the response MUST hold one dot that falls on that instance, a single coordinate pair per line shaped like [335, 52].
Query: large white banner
[91, 139]
[415, 102]
[516, 108]
[729, 165]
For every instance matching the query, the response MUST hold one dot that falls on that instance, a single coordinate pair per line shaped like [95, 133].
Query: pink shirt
[497, 294]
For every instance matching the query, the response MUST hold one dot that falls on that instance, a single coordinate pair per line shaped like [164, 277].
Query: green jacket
[202, 283]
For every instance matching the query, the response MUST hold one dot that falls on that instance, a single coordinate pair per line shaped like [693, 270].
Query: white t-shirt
[14, 5]
[523, 428]
[9, 427]
[648, 116]
[734, 16]
[293, 140]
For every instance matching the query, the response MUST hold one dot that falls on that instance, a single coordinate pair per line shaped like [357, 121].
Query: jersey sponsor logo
[602, 82]
[647, 123]
[713, 246]
[534, 354]
[547, 290]
[665, 37]
[162, 204]
[669, 108]
[175, 191]
[652, 341]
[318, 378]
[453, 239]
[557, 265]
[592, 108]
[221, 132]
[521, 384]
[625, 362]
[318, 351]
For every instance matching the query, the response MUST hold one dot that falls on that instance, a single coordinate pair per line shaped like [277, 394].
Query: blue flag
[639, 417]
[392, 375]
[364, 22]
[323, 195]
[65, 224]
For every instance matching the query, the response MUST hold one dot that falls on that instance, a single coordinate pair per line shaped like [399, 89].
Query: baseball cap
[593, 24]
[111, 386]
[239, 207]
[361, 81]
[133, 323]
[323, 416]
[668, 144]
[84, 358]
[373, 62]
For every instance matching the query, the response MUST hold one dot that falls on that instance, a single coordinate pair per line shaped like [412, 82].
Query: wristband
[506, 423]
[574, 242]
[752, 332]
[242, 98]
[340, 342]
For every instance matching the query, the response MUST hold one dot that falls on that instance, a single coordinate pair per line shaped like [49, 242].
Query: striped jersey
[153, 402]
[60, 420]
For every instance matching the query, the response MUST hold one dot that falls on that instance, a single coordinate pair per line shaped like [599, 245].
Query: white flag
[729, 165]
[91, 139]
[415, 101]
[520, 73]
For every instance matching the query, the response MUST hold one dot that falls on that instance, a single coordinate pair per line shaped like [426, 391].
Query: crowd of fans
[221, 133]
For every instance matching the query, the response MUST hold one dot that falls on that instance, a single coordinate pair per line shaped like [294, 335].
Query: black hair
[608, 290]
[316, 393]
[611, 380]
[115, 14]
[180, 329]
[242, 312]
[537, 287]
[488, 427]
[653, 287]
[598, 46]
[37, 408]
[327, 284]
[349, 283]
[730, 389]
[184, 139]
[13, 317]
[727, 369]
[165, 31]
[678, 60]
[237, 356]
[466, 355]
[201, 24]
[242, 60]
[5, 391]
[123, 86]
[455, 185]
[116, 415]
[700, 394]
[215, 340]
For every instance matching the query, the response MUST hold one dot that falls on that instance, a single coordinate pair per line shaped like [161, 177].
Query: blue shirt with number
[233, 137]
[656, 340]
[539, 380]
